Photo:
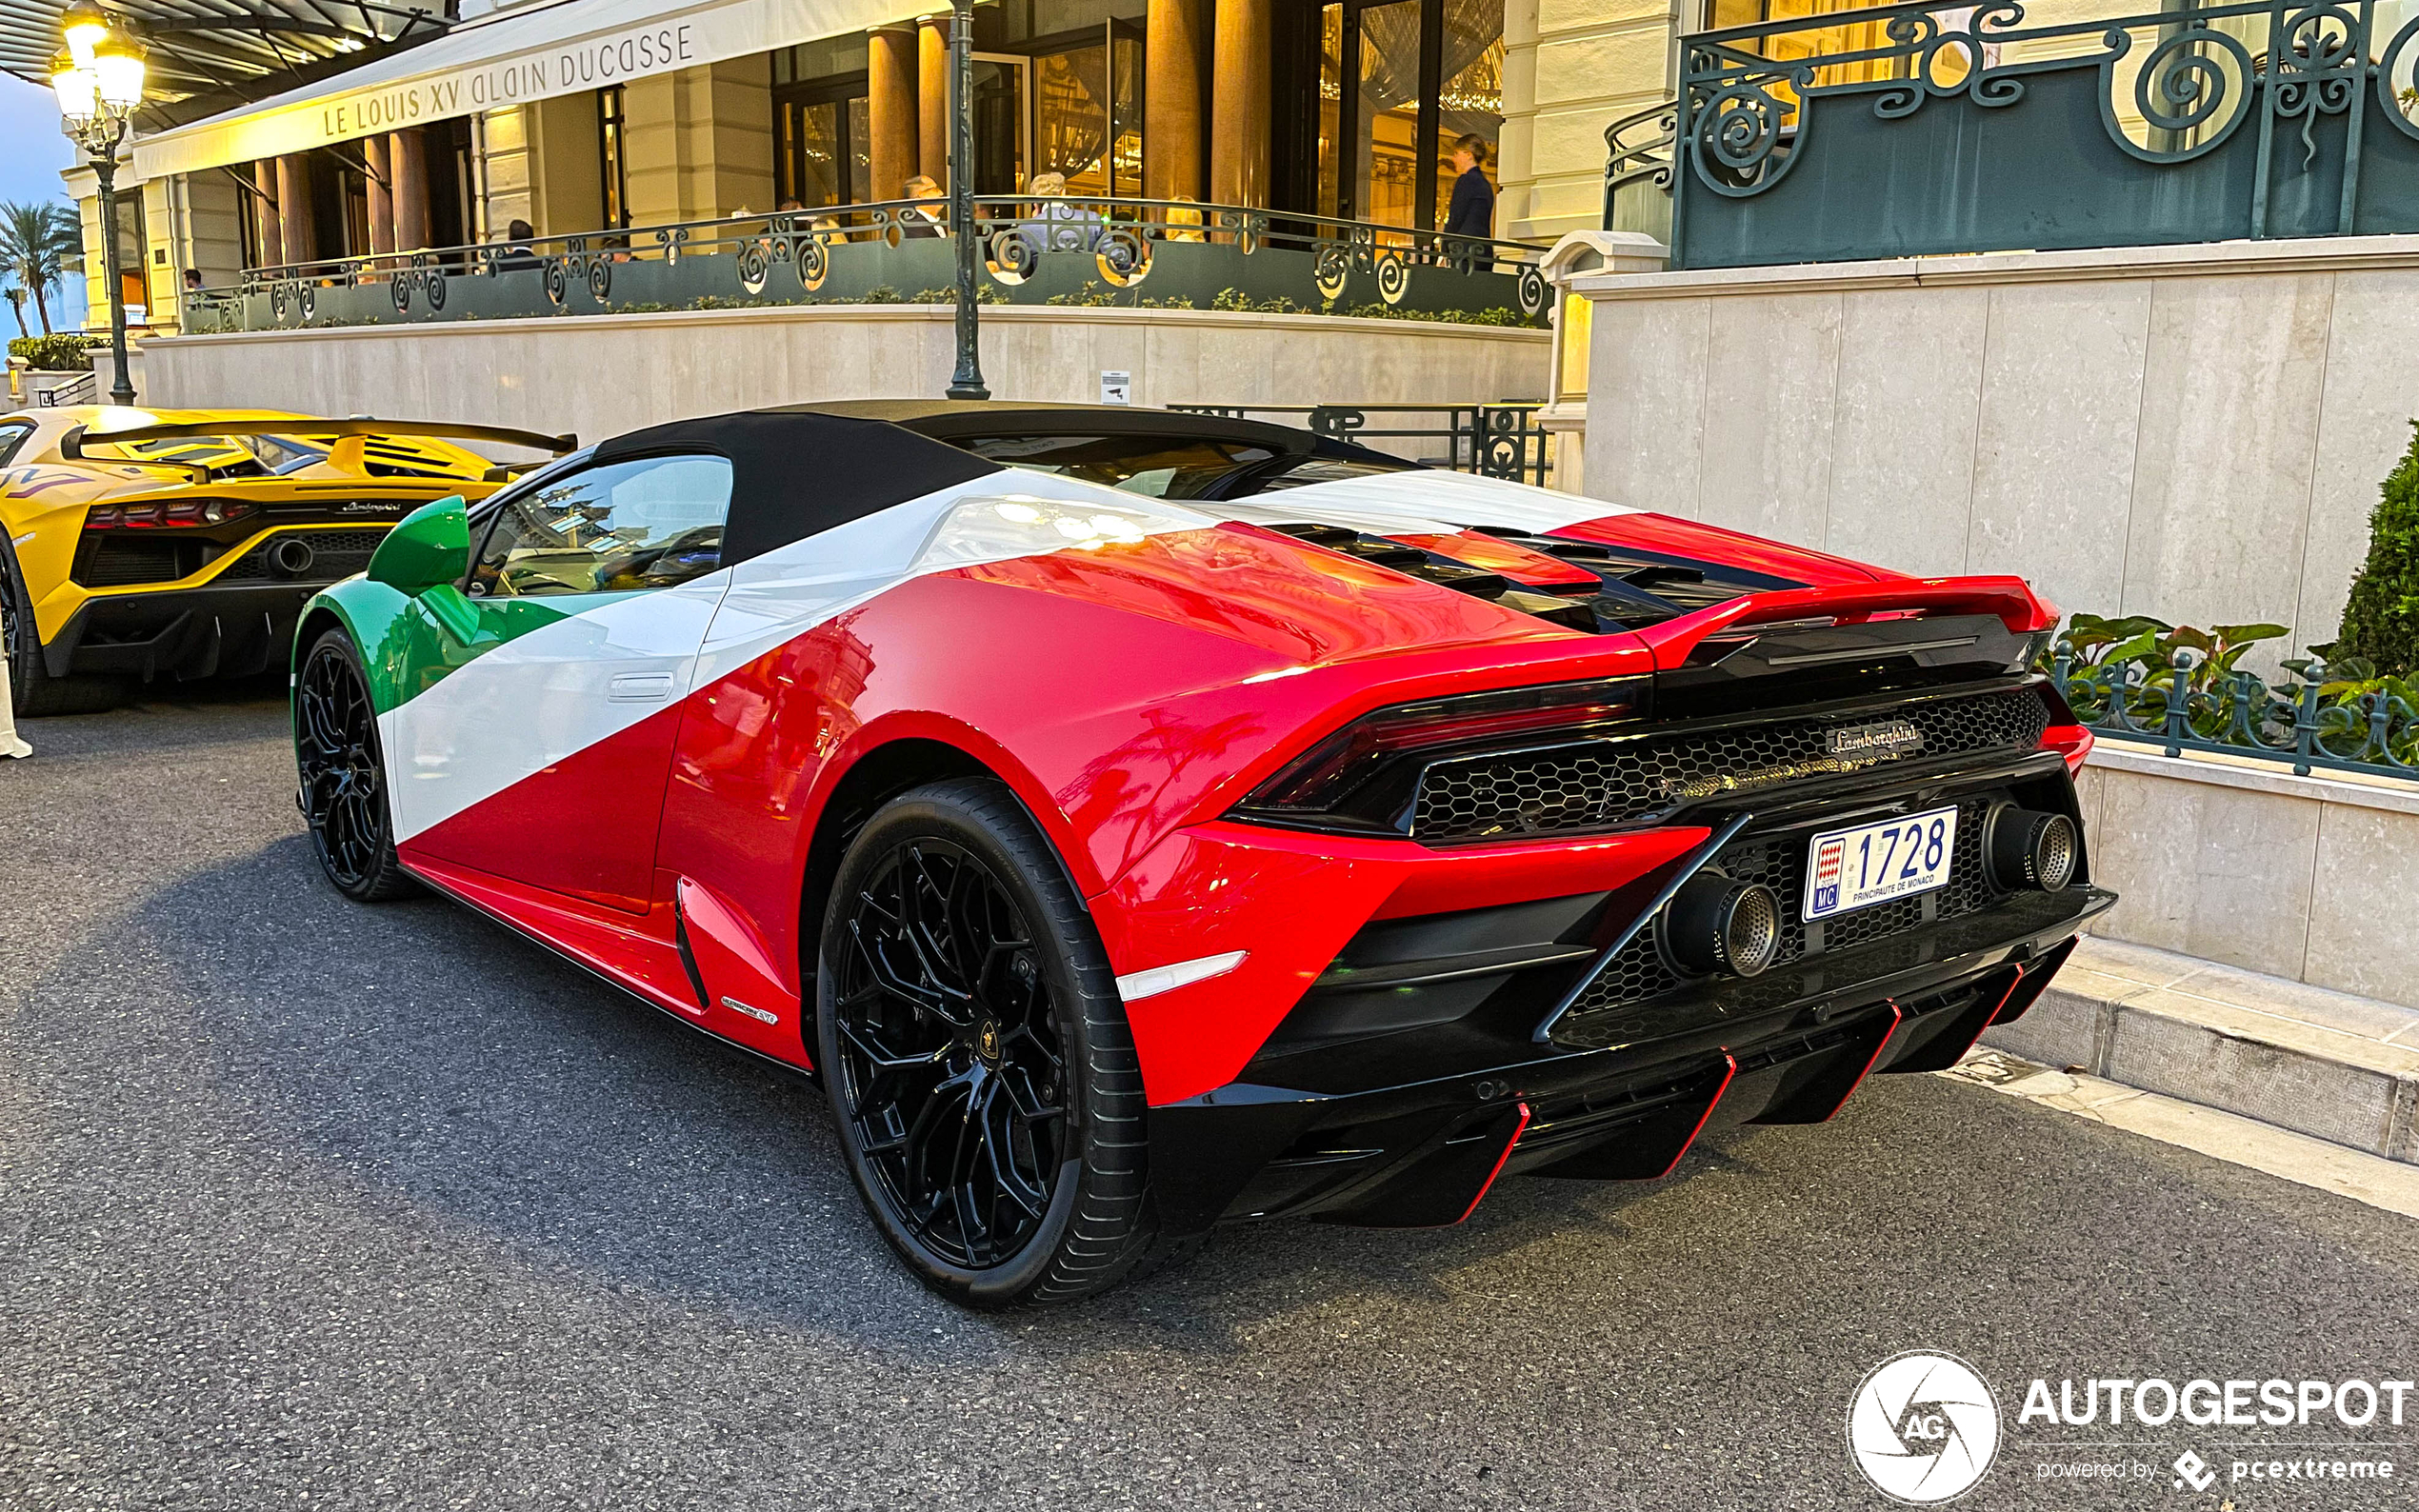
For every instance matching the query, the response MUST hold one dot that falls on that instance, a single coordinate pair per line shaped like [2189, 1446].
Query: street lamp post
[99, 84]
[968, 382]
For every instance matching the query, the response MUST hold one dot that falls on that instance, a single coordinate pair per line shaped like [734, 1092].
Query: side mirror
[427, 547]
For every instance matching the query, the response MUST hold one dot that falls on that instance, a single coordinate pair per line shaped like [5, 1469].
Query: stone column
[1239, 104]
[300, 243]
[382, 207]
[268, 235]
[889, 108]
[408, 157]
[1171, 100]
[933, 98]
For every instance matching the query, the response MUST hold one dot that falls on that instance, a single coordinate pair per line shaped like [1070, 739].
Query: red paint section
[636, 953]
[585, 826]
[738, 969]
[1518, 563]
[1668, 535]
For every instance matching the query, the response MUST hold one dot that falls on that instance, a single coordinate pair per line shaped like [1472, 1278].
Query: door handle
[640, 687]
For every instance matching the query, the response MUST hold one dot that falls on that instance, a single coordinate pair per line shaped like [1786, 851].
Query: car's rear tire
[36, 693]
[343, 774]
[980, 1070]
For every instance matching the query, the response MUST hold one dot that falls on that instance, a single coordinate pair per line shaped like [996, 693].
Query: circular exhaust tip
[1716, 924]
[292, 557]
[2030, 850]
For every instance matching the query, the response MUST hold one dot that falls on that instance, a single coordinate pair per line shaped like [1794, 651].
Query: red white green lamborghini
[1142, 821]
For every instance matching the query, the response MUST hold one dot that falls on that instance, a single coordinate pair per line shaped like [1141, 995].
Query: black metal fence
[1167, 254]
[1496, 441]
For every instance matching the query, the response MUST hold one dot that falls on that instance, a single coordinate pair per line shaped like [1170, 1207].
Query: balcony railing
[1147, 253]
[1908, 130]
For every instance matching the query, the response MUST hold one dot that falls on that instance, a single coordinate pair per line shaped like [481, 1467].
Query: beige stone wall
[1570, 68]
[2194, 433]
[2248, 865]
[701, 142]
[602, 374]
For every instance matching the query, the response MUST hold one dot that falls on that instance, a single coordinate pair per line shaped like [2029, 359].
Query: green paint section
[409, 617]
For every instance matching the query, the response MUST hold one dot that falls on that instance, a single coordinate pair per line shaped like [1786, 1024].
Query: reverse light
[1322, 778]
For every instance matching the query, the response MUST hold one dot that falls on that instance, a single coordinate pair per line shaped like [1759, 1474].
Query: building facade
[588, 116]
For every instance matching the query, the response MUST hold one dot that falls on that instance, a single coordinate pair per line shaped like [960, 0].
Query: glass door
[823, 149]
[999, 123]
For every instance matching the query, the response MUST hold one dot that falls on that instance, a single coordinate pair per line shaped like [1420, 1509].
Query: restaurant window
[823, 146]
[612, 146]
[1398, 83]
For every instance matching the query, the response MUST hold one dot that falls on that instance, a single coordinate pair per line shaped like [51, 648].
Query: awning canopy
[522, 55]
[206, 55]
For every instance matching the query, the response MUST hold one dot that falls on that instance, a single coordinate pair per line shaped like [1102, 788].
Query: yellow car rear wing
[357, 430]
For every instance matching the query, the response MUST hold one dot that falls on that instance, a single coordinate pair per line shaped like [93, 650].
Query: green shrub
[2381, 620]
[63, 352]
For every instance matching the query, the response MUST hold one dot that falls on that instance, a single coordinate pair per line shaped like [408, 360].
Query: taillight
[1355, 774]
[2067, 735]
[2073, 742]
[154, 514]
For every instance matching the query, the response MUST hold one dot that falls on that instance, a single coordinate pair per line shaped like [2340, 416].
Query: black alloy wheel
[343, 775]
[981, 1072]
[34, 692]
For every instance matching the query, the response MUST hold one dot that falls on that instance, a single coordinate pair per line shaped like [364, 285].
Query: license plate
[1847, 869]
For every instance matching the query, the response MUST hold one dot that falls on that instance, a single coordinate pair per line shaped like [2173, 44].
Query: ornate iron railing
[1914, 129]
[2307, 719]
[1638, 158]
[1496, 441]
[1153, 253]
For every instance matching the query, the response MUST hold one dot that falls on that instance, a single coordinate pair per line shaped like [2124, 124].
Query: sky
[32, 153]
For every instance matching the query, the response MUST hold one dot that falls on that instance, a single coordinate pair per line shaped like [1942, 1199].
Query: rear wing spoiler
[2009, 600]
[71, 445]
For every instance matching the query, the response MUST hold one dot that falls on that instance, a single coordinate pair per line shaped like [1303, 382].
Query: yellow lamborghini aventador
[140, 544]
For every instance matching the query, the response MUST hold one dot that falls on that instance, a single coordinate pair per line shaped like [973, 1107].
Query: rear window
[1157, 466]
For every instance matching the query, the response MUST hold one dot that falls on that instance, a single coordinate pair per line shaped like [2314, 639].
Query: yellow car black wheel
[36, 692]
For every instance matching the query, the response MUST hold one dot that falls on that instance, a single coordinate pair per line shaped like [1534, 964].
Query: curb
[2333, 1066]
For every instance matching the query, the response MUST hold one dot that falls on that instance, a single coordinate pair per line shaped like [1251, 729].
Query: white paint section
[562, 687]
[1425, 503]
[1135, 985]
[539, 698]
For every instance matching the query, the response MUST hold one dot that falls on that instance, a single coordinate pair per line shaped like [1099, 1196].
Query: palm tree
[37, 244]
[17, 307]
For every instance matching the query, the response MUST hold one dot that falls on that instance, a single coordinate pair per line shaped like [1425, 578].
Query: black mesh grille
[333, 555]
[1639, 972]
[1607, 782]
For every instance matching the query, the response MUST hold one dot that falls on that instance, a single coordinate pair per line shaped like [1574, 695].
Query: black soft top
[800, 469]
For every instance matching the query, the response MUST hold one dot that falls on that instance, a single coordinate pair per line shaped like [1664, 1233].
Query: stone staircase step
[2329, 1064]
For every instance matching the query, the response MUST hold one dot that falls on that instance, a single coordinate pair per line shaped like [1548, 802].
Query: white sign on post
[1116, 387]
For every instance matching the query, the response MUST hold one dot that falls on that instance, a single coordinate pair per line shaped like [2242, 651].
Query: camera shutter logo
[1923, 1428]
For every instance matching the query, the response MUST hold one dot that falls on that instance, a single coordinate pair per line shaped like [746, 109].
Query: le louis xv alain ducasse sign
[517, 66]
[589, 65]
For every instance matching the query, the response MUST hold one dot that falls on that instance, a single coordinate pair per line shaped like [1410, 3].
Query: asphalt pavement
[303, 1204]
